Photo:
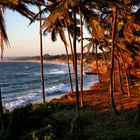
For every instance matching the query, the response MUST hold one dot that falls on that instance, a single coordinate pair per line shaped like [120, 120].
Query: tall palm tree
[112, 58]
[58, 14]
[81, 64]
[41, 54]
[75, 61]
[55, 25]
[61, 11]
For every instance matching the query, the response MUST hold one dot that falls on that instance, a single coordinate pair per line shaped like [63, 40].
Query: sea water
[20, 82]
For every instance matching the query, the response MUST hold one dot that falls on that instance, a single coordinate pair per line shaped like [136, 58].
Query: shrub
[76, 128]
[137, 117]
[5, 134]
[45, 133]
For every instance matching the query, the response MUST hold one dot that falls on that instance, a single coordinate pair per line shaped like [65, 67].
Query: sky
[24, 39]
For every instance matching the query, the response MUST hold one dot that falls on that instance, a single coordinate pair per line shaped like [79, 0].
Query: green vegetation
[55, 121]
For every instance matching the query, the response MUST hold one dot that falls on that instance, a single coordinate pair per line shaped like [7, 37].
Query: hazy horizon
[24, 39]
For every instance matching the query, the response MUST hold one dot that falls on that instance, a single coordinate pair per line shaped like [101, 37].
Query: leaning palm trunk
[81, 64]
[70, 79]
[97, 67]
[126, 75]
[1, 112]
[75, 64]
[72, 55]
[41, 58]
[1, 46]
[112, 59]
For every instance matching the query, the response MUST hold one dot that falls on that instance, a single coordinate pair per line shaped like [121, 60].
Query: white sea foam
[21, 74]
[12, 103]
[26, 67]
[18, 101]
[56, 72]
[57, 88]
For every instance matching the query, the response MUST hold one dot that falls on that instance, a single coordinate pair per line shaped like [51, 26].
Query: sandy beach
[98, 96]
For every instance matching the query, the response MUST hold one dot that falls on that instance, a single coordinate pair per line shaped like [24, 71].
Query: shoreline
[96, 93]
[36, 61]
[50, 97]
[98, 96]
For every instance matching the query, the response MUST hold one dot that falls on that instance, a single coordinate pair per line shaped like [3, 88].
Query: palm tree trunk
[72, 55]
[41, 58]
[105, 59]
[114, 76]
[70, 79]
[126, 75]
[1, 112]
[2, 48]
[99, 76]
[81, 64]
[112, 59]
[119, 76]
[75, 64]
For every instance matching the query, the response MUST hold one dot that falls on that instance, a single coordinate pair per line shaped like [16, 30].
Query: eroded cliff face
[92, 67]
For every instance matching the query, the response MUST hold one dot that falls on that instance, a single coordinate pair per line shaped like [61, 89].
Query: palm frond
[63, 37]
[3, 28]
[53, 35]
[18, 6]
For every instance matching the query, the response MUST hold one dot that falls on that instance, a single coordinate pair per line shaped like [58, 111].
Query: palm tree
[55, 25]
[75, 62]
[124, 24]
[114, 9]
[58, 13]
[81, 64]
[41, 55]
[61, 11]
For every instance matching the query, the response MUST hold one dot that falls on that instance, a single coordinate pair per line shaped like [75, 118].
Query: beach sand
[98, 96]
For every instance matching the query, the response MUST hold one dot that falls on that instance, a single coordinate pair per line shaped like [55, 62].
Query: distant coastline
[87, 58]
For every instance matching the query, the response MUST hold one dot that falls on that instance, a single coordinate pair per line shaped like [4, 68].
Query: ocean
[21, 84]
